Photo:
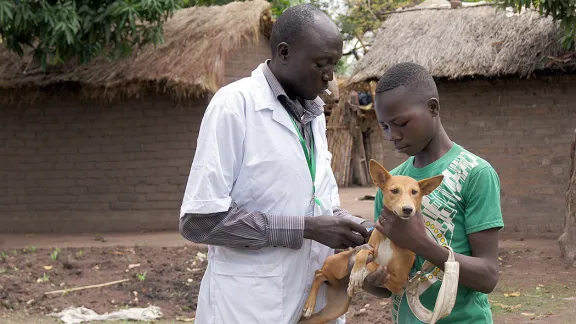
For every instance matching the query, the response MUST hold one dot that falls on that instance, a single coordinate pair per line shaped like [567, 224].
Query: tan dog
[403, 196]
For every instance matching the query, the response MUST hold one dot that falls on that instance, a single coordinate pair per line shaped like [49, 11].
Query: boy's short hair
[413, 76]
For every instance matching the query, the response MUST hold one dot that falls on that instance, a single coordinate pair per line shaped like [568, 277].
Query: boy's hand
[377, 278]
[409, 234]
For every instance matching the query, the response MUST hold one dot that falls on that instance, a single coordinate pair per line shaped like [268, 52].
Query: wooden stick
[86, 287]
[361, 42]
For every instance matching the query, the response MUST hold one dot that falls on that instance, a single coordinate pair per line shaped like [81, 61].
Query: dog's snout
[407, 210]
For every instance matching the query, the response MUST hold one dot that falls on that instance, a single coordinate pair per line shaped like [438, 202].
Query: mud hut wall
[73, 167]
[242, 62]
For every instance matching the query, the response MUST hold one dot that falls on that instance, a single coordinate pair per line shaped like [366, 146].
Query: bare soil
[534, 287]
[161, 276]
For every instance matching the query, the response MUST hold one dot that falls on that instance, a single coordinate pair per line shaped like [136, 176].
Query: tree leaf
[59, 30]
[6, 13]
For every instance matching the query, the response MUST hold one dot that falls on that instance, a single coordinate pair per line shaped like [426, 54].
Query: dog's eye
[414, 192]
[394, 191]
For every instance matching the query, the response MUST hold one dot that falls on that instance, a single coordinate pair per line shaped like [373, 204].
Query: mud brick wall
[77, 167]
[70, 167]
[524, 128]
[241, 64]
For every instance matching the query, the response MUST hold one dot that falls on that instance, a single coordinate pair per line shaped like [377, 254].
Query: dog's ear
[428, 185]
[378, 173]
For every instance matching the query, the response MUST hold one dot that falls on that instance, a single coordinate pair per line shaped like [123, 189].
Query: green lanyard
[310, 158]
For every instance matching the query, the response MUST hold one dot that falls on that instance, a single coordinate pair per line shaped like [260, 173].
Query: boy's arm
[483, 222]
[478, 272]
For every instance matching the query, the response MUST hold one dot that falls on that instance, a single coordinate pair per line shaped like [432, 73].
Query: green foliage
[362, 17]
[560, 10]
[141, 276]
[54, 255]
[191, 3]
[358, 20]
[278, 6]
[342, 66]
[62, 30]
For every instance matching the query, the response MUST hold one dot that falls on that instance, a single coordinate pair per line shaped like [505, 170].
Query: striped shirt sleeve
[252, 230]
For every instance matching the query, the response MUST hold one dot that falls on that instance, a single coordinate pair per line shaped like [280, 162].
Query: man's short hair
[415, 78]
[292, 23]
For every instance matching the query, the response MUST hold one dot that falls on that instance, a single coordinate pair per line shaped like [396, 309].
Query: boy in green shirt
[463, 212]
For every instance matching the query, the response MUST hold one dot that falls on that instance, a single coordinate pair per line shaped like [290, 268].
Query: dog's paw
[356, 281]
[308, 310]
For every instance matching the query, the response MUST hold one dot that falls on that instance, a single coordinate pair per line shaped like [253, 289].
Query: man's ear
[434, 106]
[283, 51]
[378, 173]
[428, 185]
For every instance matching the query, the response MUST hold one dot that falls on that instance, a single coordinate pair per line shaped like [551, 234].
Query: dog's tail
[337, 303]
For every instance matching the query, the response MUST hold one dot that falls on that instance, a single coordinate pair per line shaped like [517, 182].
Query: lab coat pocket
[248, 293]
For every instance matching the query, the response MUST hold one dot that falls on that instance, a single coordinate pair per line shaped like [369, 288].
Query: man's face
[408, 124]
[311, 61]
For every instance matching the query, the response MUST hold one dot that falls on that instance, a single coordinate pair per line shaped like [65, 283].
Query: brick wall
[75, 167]
[243, 62]
[524, 128]
[70, 166]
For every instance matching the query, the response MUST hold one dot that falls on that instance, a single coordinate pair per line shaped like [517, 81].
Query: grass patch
[536, 300]
[54, 255]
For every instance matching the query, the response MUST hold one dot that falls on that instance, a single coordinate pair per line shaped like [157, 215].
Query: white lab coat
[248, 151]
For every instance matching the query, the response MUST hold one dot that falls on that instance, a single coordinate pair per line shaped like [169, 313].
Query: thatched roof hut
[506, 94]
[190, 63]
[73, 164]
[476, 40]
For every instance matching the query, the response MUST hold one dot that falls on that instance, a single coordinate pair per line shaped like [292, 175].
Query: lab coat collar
[265, 98]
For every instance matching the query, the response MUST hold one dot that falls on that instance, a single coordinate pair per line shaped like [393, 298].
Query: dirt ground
[168, 277]
[165, 270]
[534, 286]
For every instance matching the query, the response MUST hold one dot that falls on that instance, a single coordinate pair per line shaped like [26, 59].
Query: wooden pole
[567, 240]
[361, 42]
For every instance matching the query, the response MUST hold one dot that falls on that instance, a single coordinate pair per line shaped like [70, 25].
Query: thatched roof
[188, 64]
[472, 41]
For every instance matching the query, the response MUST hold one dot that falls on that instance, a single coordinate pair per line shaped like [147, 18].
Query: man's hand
[409, 234]
[335, 232]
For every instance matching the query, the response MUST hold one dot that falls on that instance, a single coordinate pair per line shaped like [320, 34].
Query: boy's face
[407, 120]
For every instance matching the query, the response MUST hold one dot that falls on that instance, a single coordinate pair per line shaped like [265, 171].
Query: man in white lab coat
[261, 192]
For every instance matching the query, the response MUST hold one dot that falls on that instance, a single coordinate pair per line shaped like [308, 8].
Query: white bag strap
[446, 295]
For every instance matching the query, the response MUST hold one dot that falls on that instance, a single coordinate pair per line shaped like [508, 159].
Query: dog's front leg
[319, 278]
[359, 272]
